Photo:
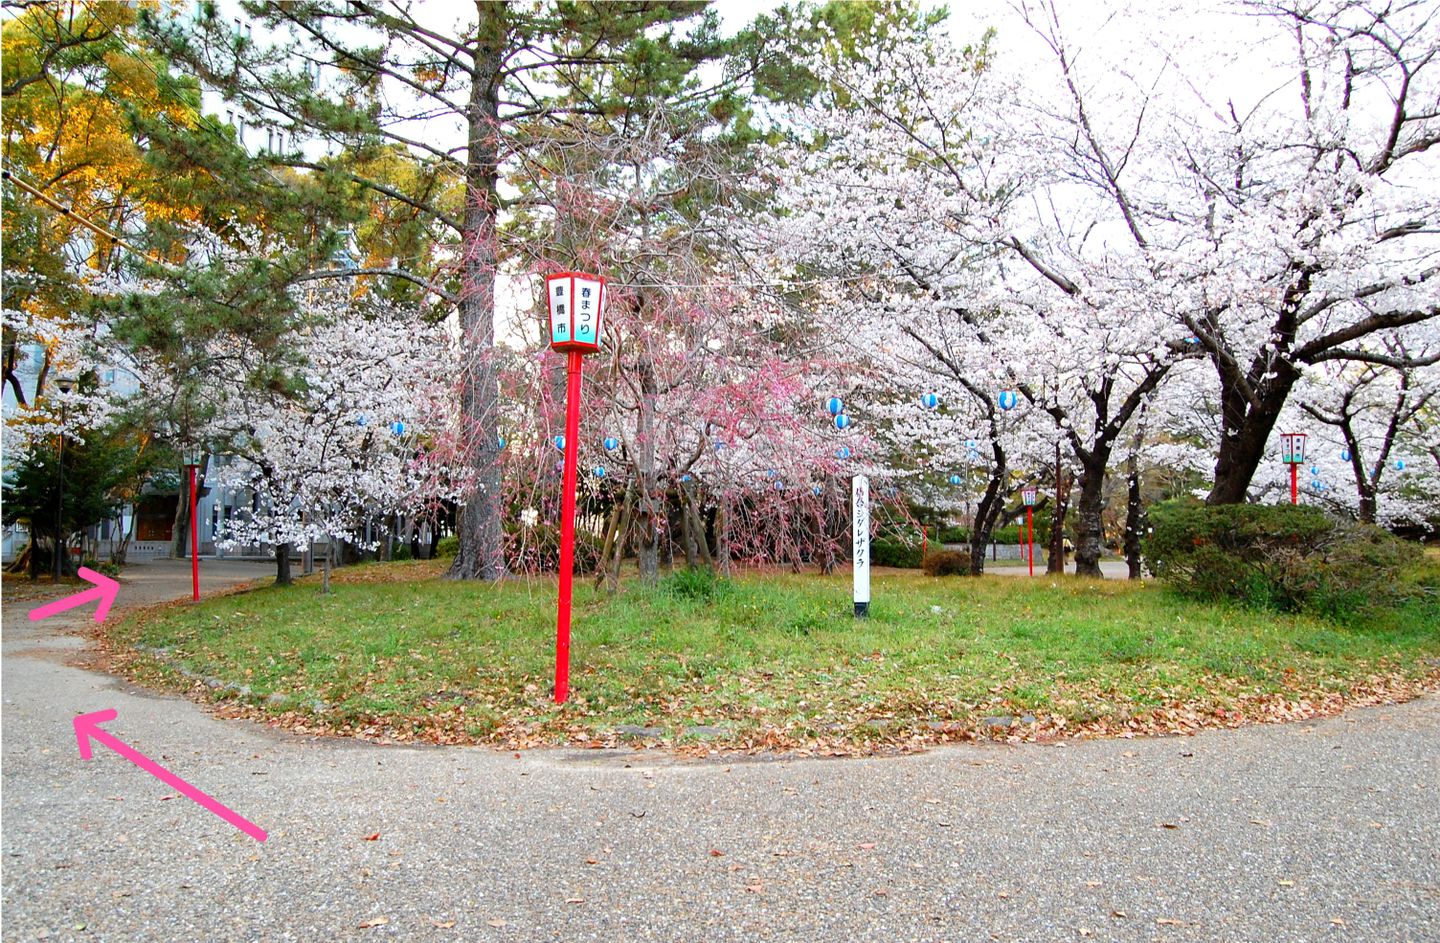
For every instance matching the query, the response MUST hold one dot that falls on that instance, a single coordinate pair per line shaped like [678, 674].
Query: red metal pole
[1030, 535]
[1294, 485]
[573, 367]
[924, 541]
[194, 540]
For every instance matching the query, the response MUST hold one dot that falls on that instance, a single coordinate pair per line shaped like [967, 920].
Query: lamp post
[1292, 453]
[192, 465]
[576, 304]
[1028, 495]
[64, 385]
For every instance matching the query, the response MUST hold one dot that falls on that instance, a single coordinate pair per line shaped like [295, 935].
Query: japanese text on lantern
[559, 316]
[586, 302]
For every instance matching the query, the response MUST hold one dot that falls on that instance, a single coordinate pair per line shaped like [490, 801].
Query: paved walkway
[1317, 831]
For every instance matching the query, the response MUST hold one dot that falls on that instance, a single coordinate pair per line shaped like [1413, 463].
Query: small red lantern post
[192, 465]
[577, 305]
[1292, 453]
[1028, 495]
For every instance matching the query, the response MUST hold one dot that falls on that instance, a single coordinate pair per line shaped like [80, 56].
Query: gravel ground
[1318, 831]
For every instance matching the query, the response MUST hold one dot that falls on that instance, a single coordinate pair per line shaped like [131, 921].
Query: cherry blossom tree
[1293, 219]
[348, 432]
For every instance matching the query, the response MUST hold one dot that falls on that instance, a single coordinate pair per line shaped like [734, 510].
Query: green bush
[895, 553]
[947, 563]
[699, 583]
[449, 546]
[1276, 556]
[401, 552]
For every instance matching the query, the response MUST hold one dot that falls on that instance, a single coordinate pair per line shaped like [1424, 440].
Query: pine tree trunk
[482, 537]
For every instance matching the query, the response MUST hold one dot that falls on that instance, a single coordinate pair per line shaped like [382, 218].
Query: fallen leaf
[1168, 825]
[375, 837]
[716, 853]
[882, 892]
[592, 860]
[444, 924]
[865, 845]
[1261, 822]
[574, 900]
[1093, 883]
[1168, 922]
[1287, 883]
[1337, 921]
[1084, 932]
[496, 923]
[755, 888]
[374, 922]
[1118, 913]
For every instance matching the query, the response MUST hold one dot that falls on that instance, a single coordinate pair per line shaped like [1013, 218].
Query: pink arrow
[87, 727]
[105, 590]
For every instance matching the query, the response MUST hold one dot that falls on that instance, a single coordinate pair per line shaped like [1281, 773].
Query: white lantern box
[577, 307]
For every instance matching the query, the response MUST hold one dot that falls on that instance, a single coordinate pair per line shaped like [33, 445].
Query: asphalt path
[1325, 830]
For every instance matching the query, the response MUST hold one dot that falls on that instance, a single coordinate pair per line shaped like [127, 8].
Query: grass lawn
[774, 660]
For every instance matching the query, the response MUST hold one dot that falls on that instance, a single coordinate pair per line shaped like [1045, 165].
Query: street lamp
[64, 385]
[576, 304]
[1292, 453]
[191, 456]
[1029, 496]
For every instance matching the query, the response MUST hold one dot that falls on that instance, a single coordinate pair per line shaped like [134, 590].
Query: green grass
[772, 658]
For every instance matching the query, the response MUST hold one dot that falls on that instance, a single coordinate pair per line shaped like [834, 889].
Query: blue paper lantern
[842, 421]
[363, 420]
[834, 406]
[499, 441]
[771, 473]
[929, 400]
[1399, 464]
[955, 479]
[818, 490]
[1314, 469]
[598, 471]
[397, 427]
[611, 443]
[685, 477]
[559, 441]
[1344, 455]
[779, 486]
[1008, 399]
[970, 444]
[843, 452]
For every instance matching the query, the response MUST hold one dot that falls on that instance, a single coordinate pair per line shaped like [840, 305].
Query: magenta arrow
[104, 590]
[87, 727]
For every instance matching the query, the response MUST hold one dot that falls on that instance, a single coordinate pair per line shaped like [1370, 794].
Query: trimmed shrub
[947, 563]
[449, 546]
[1275, 556]
[895, 553]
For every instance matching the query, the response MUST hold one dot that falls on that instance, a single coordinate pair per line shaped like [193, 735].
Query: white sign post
[860, 535]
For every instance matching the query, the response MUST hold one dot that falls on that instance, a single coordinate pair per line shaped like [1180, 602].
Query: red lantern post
[577, 305]
[1292, 453]
[1028, 495]
[191, 468]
